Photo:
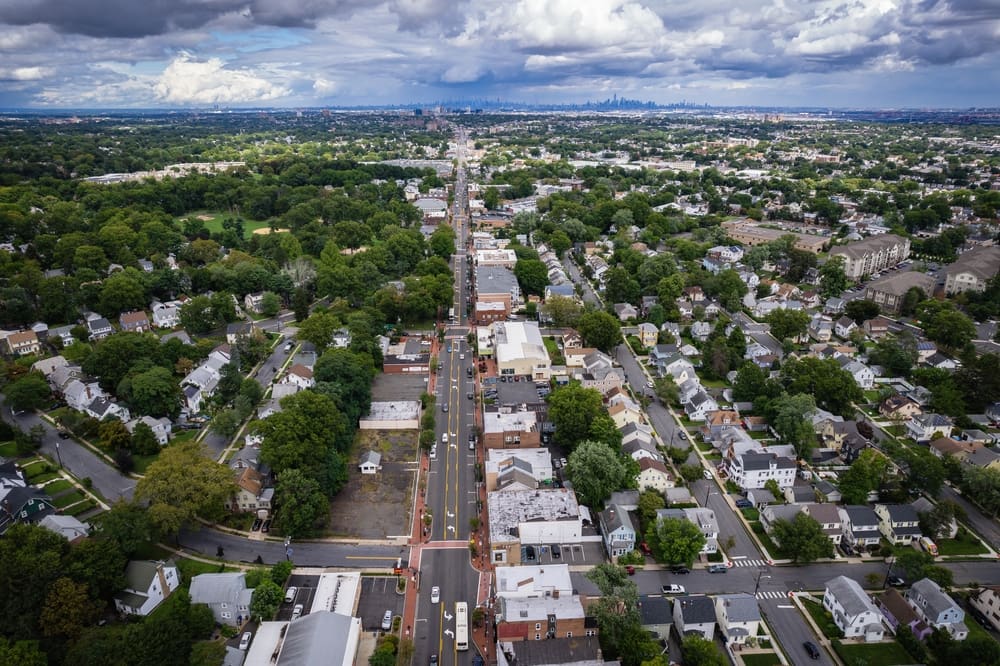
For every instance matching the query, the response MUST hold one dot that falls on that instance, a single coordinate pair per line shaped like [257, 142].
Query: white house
[738, 616]
[753, 469]
[695, 614]
[371, 462]
[300, 376]
[147, 584]
[161, 427]
[860, 526]
[699, 405]
[853, 611]
[654, 475]
[924, 427]
[844, 327]
[863, 375]
[899, 523]
[166, 315]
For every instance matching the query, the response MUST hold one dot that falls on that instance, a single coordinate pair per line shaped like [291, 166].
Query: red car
[645, 548]
[630, 570]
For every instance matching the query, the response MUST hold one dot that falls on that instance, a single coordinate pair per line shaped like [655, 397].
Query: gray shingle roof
[696, 609]
[850, 595]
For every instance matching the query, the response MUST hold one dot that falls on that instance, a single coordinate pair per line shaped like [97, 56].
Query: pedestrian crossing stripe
[772, 594]
[749, 563]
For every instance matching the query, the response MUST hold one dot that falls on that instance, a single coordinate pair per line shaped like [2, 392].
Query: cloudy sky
[184, 53]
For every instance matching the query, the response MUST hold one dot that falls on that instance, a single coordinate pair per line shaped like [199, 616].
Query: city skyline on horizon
[864, 54]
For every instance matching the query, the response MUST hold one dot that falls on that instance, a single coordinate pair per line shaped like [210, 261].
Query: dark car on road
[811, 649]
[679, 570]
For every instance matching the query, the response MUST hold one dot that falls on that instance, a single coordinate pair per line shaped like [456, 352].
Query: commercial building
[504, 428]
[872, 254]
[749, 233]
[531, 517]
[526, 466]
[519, 350]
[497, 284]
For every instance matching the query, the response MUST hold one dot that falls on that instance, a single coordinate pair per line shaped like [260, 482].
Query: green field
[872, 654]
[214, 225]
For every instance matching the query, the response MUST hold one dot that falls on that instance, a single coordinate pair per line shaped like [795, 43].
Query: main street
[451, 484]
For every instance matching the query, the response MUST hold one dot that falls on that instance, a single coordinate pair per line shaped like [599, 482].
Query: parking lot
[577, 553]
[306, 591]
[378, 594]
[516, 393]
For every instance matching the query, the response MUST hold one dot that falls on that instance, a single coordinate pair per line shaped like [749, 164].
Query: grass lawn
[82, 507]
[189, 568]
[765, 539]
[715, 383]
[69, 498]
[214, 225]
[964, 544]
[56, 486]
[36, 467]
[760, 659]
[750, 513]
[142, 463]
[704, 447]
[43, 478]
[872, 654]
[975, 629]
[8, 450]
[822, 618]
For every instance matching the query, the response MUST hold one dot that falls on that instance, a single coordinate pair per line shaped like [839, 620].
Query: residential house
[134, 322]
[720, 420]
[760, 498]
[534, 618]
[252, 492]
[947, 530]
[64, 334]
[300, 376]
[657, 615]
[862, 374]
[254, 302]
[371, 462]
[19, 502]
[827, 492]
[102, 408]
[800, 494]
[774, 513]
[22, 343]
[876, 328]
[623, 413]
[653, 475]
[618, 532]
[844, 327]
[898, 613]
[925, 350]
[161, 427]
[68, 527]
[834, 305]
[703, 518]
[695, 615]
[984, 457]
[820, 328]
[147, 584]
[899, 408]
[986, 600]
[899, 523]
[889, 291]
[852, 609]
[753, 469]
[699, 405]
[239, 329]
[925, 427]
[600, 372]
[648, 334]
[828, 518]
[738, 616]
[946, 446]
[852, 448]
[99, 328]
[700, 330]
[625, 311]
[166, 315]
[226, 594]
[937, 608]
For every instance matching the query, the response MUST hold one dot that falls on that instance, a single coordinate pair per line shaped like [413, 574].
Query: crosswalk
[772, 594]
[749, 563]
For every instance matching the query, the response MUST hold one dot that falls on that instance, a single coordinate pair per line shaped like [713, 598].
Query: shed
[371, 462]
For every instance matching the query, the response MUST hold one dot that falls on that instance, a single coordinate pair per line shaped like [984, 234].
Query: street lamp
[892, 561]
[756, 587]
[58, 457]
[708, 493]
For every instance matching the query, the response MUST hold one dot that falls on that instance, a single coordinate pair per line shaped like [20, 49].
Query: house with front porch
[617, 531]
[860, 526]
[852, 610]
[738, 616]
[937, 608]
[898, 523]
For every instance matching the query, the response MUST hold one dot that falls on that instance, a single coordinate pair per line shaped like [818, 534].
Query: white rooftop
[516, 340]
[504, 421]
[533, 581]
[509, 508]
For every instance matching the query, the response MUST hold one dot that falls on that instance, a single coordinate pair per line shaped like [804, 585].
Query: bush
[87, 482]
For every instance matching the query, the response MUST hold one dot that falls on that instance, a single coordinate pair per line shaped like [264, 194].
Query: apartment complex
[873, 254]
[749, 233]
[972, 270]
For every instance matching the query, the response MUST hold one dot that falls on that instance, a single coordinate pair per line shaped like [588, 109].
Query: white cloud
[324, 87]
[188, 81]
[25, 73]
[463, 72]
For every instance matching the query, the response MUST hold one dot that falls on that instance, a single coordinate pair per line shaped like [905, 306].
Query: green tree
[182, 484]
[832, 387]
[698, 651]
[618, 618]
[29, 392]
[650, 502]
[572, 408]
[491, 198]
[302, 507]
[155, 392]
[861, 310]
[666, 390]
[916, 564]
[788, 324]
[865, 475]
[270, 304]
[267, 596]
[620, 286]
[599, 329]
[122, 292]
[68, 610]
[281, 571]
[832, 278]
[675, 540]
[32, 559]
[562, 311]
[596, 471]
[951, 329]
[751, 381]
[532, 275]
[925, 472]
[937, 522]
[793, 426]
[207, 653]
[802, 538]
[144, 440]
[300, 303]
[126, 524]
[772, 486]
[442, 241]
[114, 435]
[23, 653]
[669, 289]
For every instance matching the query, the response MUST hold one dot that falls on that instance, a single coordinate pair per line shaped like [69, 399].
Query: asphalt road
[987, 527]
[76, 458]
[791, 630]
[450, 570]
[589, 296]
[729, 523]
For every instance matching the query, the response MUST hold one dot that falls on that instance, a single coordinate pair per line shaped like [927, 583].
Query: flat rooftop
[399, 410]
[509, 508]
[533, 580]
[501, 421]
[538, 609]
[538, 458]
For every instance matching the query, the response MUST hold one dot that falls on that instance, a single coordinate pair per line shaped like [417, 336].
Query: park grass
[56, 486]
[766, 659]
[872, 654]
[214, 225]
[67, 499]
[822, 618]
